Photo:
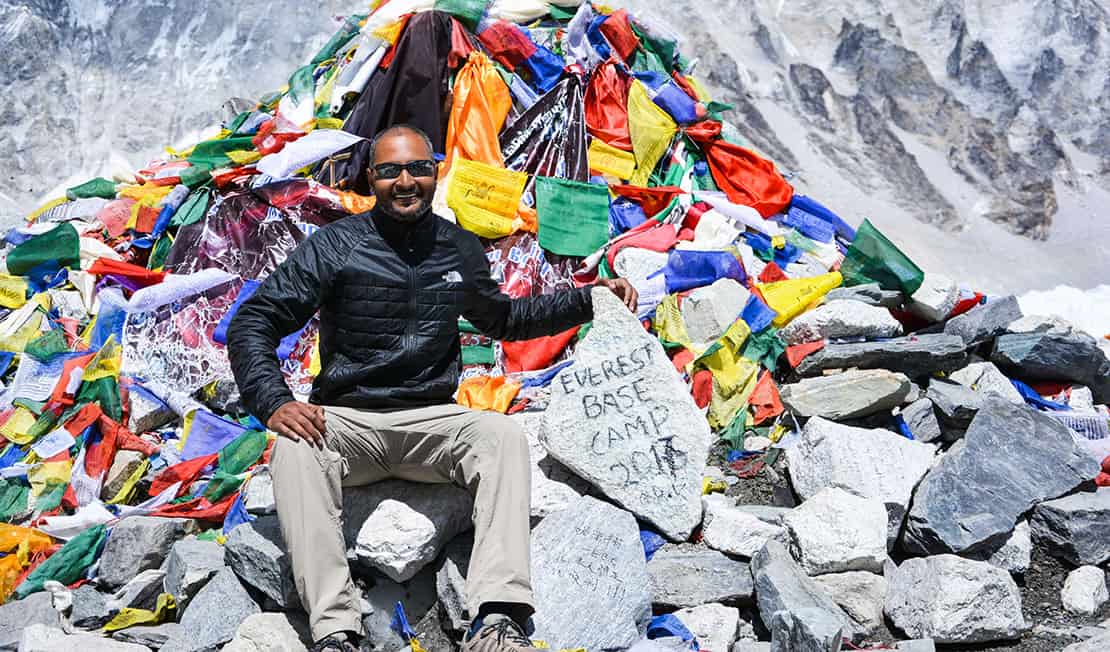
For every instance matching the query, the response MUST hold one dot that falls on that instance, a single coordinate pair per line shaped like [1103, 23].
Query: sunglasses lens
[422, 168]
[388, 170]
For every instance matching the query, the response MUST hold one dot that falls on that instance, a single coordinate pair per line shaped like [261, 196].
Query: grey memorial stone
[621, 418]
[590, 578]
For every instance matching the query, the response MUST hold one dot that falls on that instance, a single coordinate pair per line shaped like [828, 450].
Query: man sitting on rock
[390, 286]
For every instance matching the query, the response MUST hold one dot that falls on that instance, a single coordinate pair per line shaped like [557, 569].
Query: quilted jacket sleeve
[284, 302]
[504, 318]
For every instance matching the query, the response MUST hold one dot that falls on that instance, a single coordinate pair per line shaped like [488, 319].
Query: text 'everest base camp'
[798, 441]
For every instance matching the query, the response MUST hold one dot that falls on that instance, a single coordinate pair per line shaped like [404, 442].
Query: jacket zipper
[410, 323]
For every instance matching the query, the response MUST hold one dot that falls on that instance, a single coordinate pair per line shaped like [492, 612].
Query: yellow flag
[791, 297]
[484, 197]
[611, 161]
[106, 363]
[651, 129]
[13, 291]
[48, 474]
[16, 427]
[129, 616]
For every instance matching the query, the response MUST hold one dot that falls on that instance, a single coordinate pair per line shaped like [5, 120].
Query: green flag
[98, 187]
[61, 245]
[873, 258]
[573, 216]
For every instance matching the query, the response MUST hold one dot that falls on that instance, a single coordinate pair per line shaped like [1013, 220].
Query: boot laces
[506, 631]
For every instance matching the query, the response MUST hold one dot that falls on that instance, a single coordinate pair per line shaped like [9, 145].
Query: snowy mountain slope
[975, 132]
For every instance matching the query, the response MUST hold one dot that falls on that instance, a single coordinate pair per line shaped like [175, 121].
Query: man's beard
[424, 207]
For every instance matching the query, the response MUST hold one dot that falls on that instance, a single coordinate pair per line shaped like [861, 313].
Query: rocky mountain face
[950, 113]
[1008, 94]
[89, 84]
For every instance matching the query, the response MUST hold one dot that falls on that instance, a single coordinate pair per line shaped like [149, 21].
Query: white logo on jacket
[452, 277]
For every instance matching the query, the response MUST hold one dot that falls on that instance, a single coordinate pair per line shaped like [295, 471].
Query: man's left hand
[623, 289]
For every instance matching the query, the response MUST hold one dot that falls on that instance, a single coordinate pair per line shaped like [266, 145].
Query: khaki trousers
[485, 453]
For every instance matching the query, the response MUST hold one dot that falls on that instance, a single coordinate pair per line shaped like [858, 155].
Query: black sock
[518, 613]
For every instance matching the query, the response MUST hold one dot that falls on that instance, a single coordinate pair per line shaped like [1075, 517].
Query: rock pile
[801, 439]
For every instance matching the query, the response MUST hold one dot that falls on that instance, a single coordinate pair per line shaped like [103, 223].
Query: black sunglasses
[424, 168]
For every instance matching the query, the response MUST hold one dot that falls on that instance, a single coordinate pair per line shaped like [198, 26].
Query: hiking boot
[334, 643]
[498, 633]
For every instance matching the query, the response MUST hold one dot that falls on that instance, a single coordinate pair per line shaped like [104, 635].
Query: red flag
[745, 177]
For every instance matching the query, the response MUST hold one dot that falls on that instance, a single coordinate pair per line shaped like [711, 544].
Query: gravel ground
[1051, 627]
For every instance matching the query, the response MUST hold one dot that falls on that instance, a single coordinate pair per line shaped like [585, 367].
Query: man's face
[407, 196]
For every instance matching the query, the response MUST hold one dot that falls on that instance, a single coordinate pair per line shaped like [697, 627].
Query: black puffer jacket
[389, 297]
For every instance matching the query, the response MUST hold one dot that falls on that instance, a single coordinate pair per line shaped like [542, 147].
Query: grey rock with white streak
[841, 320]
[854, 393]
[913, 355]
[687, 576]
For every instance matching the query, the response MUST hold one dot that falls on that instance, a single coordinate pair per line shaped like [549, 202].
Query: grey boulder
[954, 600]
[985, 321]
[841, 320]
[687, 576]
[1010, 459]
[214, 614]
[135, 544]
[955, 406]
[913, 355]
[35, 609]
[806, 630]
[986, 378]
[256, 552]
[191, 563]
[91, 608]
[871, 463]
[782, 585]
[860, 594]
[1076, 358]
[1075, 528]
[854, 393]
